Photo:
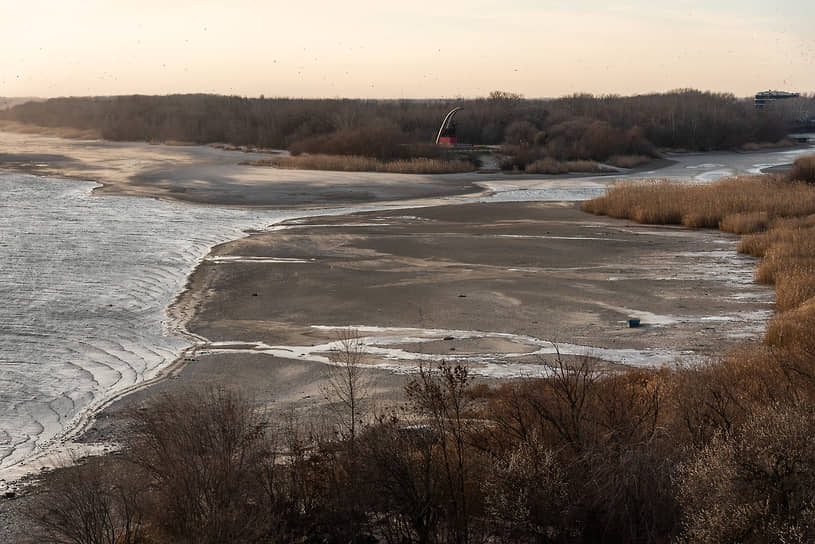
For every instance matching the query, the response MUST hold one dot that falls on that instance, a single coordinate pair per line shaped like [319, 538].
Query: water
[85, 282]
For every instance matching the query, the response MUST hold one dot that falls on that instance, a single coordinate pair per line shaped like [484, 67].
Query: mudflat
[490, 284]
[209, 176]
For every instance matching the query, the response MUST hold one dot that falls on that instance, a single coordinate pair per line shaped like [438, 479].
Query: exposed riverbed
[86, 279]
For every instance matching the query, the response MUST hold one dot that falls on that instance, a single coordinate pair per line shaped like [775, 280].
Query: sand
[207, 176]
[489, 285]
[494, 284]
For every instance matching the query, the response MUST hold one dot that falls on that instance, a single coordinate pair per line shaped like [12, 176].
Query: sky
[405, 48]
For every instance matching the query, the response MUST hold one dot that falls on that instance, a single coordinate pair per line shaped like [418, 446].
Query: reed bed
[551, 166]
[776, 215]
[740, 204]
[804, 169]
[629, 161]
[355, 163]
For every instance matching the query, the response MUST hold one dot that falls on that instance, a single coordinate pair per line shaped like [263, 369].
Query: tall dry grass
[355, 163]
[804, 169]
[629, 161]
[734, 204]
[777, 216]
[549, 165]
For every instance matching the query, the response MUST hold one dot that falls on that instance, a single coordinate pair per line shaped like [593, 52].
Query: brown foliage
[551, 166]
[579, 126]
[97, 502]
[710, 206]
[204, 452]
[804, 169]
[352, 163]
[754, 484]
[629, 161]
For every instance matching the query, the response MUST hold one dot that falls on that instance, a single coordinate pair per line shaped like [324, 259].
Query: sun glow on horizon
[366, 49]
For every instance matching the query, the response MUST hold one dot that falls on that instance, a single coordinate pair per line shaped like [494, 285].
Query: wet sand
[207, 176]
[503, 279]
[492, 285]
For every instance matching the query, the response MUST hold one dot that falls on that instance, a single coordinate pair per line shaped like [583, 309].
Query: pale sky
[404, 48]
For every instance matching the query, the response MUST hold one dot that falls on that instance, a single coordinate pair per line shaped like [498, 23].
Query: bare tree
[348, 384]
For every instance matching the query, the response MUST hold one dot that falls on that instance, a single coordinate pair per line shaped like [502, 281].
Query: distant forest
[575, 127]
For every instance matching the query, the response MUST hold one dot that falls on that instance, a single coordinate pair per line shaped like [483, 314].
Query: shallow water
[85, 282]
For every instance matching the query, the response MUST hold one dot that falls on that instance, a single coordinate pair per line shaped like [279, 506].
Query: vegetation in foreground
[716, 453]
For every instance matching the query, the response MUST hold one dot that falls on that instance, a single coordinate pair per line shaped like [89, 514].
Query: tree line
[579, 126]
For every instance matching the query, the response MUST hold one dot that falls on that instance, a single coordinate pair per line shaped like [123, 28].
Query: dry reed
[777, 217]
[629, 161]
[804, 169]
[552, 166]
[354, 163]
[728, 204]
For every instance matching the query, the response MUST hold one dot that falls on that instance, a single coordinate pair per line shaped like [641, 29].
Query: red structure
[447, 131]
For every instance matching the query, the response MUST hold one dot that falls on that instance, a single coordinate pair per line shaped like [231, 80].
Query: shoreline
[178, 365]
[210, 360]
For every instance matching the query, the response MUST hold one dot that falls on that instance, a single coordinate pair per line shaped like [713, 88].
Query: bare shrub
[517, 158]
[204, 452]
[440, 396]
[348, 384]
[803, 169]
[405, 478]
[526, 494]
[520, 133]
[96, 502]
[754, 484]
[385, 142]
[720, 395]
[605, 429]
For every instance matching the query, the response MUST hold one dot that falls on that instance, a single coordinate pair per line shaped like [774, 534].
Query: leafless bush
[526, 495]
[754, 484]
[520, 133]
[440, 396]
[204, 452]
[98, 502]
[403, 472]
[348, 384]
